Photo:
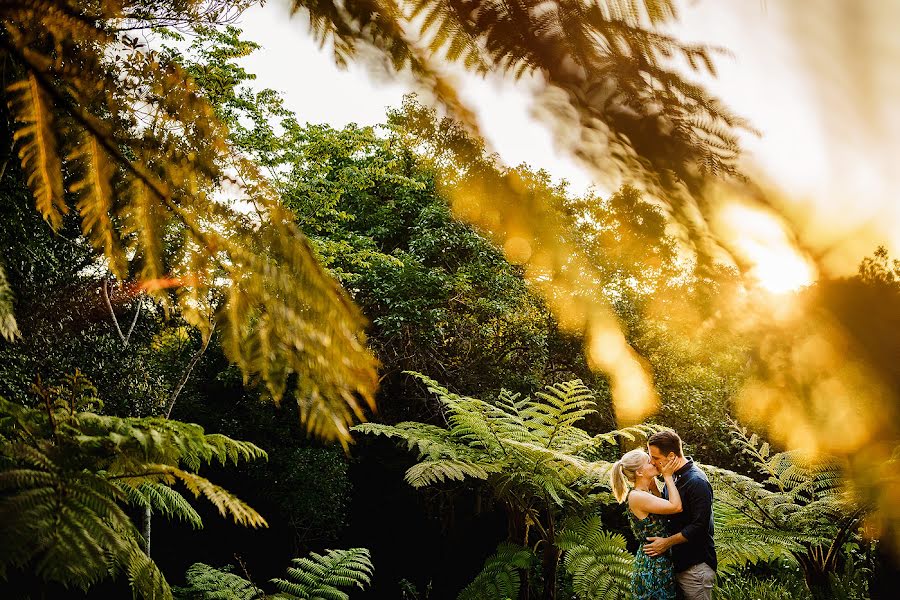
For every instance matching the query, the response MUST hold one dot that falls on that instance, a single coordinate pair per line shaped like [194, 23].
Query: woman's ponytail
[617, 482]
[623, 471]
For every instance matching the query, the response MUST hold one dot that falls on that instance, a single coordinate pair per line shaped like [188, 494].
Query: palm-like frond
[521, 447]
[146, 159]
[323, 576]
[66, 476]
[499, 579]
[38, 147]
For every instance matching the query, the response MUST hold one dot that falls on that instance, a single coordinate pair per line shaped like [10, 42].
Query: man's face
[658, 458]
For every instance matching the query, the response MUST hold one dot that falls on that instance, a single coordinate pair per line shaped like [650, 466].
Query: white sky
[767, 79]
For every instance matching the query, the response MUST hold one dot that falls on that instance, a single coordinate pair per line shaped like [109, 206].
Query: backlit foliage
[526, 449]
[117, 132]
[67, 476]
[799, 510]
[608, 86]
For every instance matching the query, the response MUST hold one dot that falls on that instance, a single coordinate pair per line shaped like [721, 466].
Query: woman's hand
[668, 469]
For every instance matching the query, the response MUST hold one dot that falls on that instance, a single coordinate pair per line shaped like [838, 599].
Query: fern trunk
[816, 575]
[550, 561]
[145, 529]
[549, 565]
[517, 532]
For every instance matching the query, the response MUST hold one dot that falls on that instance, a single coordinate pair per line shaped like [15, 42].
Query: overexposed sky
[830, 154]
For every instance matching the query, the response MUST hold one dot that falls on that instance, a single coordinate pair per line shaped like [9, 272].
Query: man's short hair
[666, 441]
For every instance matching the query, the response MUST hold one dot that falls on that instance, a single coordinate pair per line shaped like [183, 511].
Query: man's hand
[656, 546]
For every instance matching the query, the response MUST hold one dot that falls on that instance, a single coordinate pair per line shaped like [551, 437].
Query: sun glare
[760, 240]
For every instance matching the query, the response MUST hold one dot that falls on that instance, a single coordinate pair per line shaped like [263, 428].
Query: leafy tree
[68, 475]
[529, 453]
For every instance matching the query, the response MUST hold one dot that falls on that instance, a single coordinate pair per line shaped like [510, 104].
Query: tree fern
[67, 475]
[499, 579]
[798, 510]
[530, 454]
[146, 161]
[321, 577]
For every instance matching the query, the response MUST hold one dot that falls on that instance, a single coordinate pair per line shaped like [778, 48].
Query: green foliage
[534, 459]
[749, 588]
[317, 577]
[66, 476]
[320, 577]
[118, 136]
[499, 579]
[8, 327]
[208, 583]
[311, 489]
[527, 450]
[799, 510]
[596, 559]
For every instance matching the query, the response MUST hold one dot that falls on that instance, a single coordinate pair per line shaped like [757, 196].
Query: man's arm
[698, 505]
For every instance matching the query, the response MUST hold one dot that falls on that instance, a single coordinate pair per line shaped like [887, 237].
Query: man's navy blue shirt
[695, 521]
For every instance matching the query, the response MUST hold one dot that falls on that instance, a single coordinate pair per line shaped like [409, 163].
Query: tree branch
[187, 373]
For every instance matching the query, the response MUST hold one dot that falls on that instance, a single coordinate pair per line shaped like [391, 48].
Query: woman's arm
[646, 502]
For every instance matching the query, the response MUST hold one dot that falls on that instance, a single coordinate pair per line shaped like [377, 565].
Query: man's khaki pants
[696, 582]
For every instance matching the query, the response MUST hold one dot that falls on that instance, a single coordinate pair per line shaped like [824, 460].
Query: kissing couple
[674, 527]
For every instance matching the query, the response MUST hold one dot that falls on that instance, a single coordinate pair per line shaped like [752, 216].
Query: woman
[653, 577]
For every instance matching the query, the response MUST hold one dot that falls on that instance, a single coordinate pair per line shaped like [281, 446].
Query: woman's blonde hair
[624, 470]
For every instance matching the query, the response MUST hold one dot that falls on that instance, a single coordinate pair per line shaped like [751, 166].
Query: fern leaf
[322, 576]
[9, 329]
[93, 189]
[499, 579]
[597, 560]
[222, 499]
[37, 147]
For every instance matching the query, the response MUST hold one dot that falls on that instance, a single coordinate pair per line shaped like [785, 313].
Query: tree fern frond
[499, 579]
[222, 499]
[65, 477]
[209, 583]
[597, 560]
[94, 190]
[168, 502]
[38, 148]
[429, 472]
[322, 576]
[9, 329]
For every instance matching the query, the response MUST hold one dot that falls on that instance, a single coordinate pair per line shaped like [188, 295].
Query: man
[690, 531]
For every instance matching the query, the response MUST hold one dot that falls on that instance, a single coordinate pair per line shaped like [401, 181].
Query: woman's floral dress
[653, 577]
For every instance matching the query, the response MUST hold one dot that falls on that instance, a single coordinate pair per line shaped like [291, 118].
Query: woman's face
[649, 469]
